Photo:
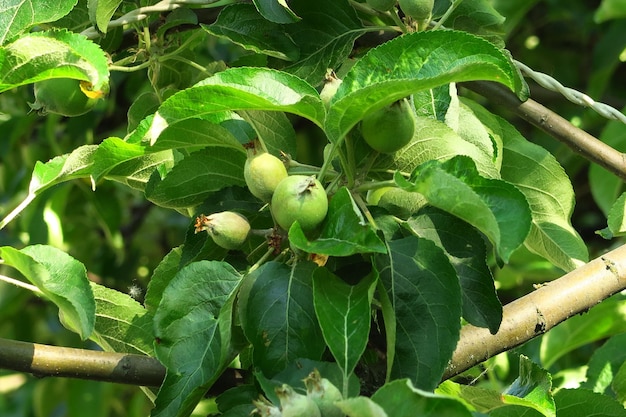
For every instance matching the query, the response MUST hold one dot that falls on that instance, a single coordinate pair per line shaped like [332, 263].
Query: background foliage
[122, 229]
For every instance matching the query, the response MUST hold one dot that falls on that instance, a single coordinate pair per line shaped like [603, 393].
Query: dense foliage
[132, 206]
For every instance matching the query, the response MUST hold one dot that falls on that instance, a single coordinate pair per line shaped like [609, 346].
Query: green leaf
[605, 363]
[61, 278]
[18, 16]
[194, 178]
[325, 36]
[344, 232]
[494, 403]
[361, 407]
[274, 129]
[616, 224]
[188, 326]
[401, 399]
[619, 385]
[278, 317]
[547, 188]
[190, 135]
[435, 140]
[243, 25]
[122, 324]
[101, 11]
[343, 312]
[583, 403]
[478, 17]
[161, 277]
[606, 187]
[534, 384]
[602, 321]
[240, 89]
[426, 297]
[466, 251]
[78, 164]
[52, 54]
[494, 207]
[610, 9]
[411, 63]
[276, 11]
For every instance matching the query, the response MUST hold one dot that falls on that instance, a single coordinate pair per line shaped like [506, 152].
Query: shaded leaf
[61, 278]
[276, 11]
[467, 253]
[188, 326]
[494, 207]
[325, 36]
[274, 129]
[426, 297]
[101, 11]
[191, 180]
[278, 317]
[343, 312]
[242, 24]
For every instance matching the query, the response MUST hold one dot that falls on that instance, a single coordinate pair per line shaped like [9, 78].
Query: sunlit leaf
[61, 278]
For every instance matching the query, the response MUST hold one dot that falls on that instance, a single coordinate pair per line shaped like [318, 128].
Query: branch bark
[545, 119]
[43, 360]
[541, 310]
[523, 320]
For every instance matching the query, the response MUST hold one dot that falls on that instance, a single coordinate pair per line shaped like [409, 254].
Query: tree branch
[541, 310]
[545, 119]
[523, 319]
[44, 360]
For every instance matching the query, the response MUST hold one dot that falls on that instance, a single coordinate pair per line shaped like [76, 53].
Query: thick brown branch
[541, 310]
[43, 360]
[545, 119]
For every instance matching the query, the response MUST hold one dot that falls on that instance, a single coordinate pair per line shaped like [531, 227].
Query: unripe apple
[264, 408]
[381, 5]
[64, 96]
[293, 404]
[263, 172]
[301, 198]
[420, 10]
[227, 229]
[324, 394]
[391, 128]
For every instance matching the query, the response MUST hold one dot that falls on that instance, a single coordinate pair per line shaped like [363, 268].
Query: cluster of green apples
[419, 10]
[291, 198]
[319, 401]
